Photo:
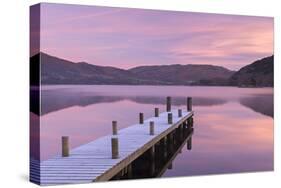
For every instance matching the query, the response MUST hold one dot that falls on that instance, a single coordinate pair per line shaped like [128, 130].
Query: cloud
[131, 37]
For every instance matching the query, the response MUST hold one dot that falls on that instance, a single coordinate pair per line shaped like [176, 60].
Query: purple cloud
[127, 38]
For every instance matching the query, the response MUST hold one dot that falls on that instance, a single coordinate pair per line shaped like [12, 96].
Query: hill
[55, 70]
[257, 74]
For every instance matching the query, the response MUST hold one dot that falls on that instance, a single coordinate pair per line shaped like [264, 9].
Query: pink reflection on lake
[229, 135]
[228, 138]
[94, 121]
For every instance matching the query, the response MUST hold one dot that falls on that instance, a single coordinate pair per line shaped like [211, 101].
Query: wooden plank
[133, 156]
[93, 162]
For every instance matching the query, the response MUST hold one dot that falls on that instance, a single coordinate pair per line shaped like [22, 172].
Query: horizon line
[65, 59]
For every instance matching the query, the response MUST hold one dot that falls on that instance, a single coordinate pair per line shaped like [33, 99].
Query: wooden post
[170, 118]
[165, 147]
[165, 141]
[114, 127]
[151, 127]
[122, 172]
[141, 118]
[190, 122]
[114, 148]
[181, 131]
[126, 170]
[156, 111]
[170, 166]
[189, 104]
[179, 112]
[65, 146]
[170, 143]
[152, 160]
[174, 136]
[189, 143]
[152, 168]
[168, 103]
[130, 171]
[152, 152]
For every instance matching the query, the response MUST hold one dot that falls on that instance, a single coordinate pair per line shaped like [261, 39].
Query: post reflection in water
[157, 159]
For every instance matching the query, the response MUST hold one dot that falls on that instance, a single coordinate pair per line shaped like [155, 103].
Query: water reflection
[259, 103]
[234, 126]
[61, 99]
[229, 138]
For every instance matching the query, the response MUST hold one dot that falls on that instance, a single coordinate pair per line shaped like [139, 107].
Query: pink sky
[127, 38]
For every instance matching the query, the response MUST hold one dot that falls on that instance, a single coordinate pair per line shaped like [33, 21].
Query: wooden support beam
[189, 144]
[130, 171]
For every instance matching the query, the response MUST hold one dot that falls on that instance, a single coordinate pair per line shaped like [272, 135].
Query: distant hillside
[59, 71]
[184, 74]
[257, 74]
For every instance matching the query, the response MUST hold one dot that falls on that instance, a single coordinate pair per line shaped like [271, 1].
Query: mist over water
[233, 127]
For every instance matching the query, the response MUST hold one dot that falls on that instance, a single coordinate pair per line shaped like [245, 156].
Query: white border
[14, 40]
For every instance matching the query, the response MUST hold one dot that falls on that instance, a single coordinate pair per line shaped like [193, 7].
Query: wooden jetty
[112, 155]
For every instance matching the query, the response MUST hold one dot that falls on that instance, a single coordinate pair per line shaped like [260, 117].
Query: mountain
[257, 74]
[60, 71]
[184, 74]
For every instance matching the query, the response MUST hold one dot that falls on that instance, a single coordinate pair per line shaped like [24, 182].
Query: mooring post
[168, 104]
[179, 112]
[114, 147]
[114, 127]
[170, 118]
[151, 127]
[65, 146]
[156, 112]
[189, 104]
[141, 118]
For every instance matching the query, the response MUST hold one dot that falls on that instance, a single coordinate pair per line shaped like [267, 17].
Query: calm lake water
[233, 126]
